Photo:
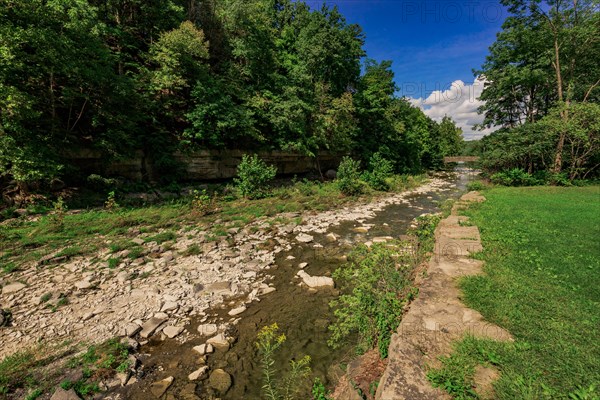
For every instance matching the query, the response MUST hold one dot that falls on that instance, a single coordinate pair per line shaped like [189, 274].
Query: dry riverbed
[157, 295]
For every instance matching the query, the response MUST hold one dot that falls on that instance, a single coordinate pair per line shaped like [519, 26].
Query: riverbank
[171, 266]
[541, 282]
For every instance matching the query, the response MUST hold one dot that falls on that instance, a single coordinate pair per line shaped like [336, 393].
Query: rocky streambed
[196, 317]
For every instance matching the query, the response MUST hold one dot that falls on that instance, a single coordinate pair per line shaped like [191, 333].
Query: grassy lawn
[542, 283]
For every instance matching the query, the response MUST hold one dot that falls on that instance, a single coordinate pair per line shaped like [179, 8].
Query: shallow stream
[303, 315]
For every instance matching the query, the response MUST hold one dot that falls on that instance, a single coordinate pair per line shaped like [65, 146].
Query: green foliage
[514, 177]
[348, 177]
[475, 185]
[380, 170]
[202, 203]
[111, 202]
[9, 267]
[319, 391]
[253, 177]
[267, 342]
[376, 285]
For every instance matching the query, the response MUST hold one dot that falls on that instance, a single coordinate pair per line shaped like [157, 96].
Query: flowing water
[302, 315]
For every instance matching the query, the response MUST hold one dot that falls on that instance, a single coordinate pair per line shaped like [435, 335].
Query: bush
[348, 177]
[202, 203]
[254, 176]
[515, 177]
[380, 170]
[381, 285]
[475, 185]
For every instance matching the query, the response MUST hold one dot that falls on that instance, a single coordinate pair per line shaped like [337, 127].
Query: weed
[192, 250]
[319, 392]
[10, 267]
[162, 237]
[267, 342]
[111, 202]
[113, 262]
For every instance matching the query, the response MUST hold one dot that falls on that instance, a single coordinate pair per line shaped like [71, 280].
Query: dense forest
[543, 90]
[163, 76]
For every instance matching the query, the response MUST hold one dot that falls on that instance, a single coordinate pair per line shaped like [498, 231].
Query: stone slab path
[437, 317]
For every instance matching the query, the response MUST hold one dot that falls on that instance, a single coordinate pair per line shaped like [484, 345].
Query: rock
[219, 341]
[200, 373]
[131, 329]
[204, 349]
[315, 281]
[138, 241]
[62, 394]
[267, 290]
[219, 288]
[237, 311]
[303, 265]
[84, 284]
[304, 238]
[169, 306]
[123, 377]
[207, 329]
[13, 287]
[382, 239]
[150, 326]
[220, 381]
[331, 174]
[361, 229]
[172, 331]
[160, 387]
[331, 237]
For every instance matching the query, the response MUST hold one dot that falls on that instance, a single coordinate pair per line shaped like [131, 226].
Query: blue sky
[434, 46]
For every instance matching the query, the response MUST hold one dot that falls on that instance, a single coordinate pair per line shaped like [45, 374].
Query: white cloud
[460, 102]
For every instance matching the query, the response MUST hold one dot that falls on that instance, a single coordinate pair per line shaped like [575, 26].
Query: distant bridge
[461, 159]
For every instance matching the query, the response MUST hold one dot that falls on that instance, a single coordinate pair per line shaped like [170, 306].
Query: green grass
[542, 283]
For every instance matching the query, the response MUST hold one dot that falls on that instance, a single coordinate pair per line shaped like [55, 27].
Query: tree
[556, 41]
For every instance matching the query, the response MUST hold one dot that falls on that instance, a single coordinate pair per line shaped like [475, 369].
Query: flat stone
[160, 387]
[138, 241]
[200, 373]
[151, 326]
[304, 238]
[203, 349]
[315, 281]
[62, 394]
[237, 311]
[361, 229]
[172, 331]
[13, 287]
[207, 329]
[220, 381]
[83, 285]
[303, 265]
[219, 341]
[267, 290]
[131, 329]
[169, 306]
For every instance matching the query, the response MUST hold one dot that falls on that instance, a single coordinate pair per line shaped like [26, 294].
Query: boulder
[331, 174]
[237, 311]
[219, 341]
[200, 373]
[315, 281]
[172, 331]
[13, 287]
[160, 387]
[62, 394]
[204, 349]
[220, 381]
[304, 238]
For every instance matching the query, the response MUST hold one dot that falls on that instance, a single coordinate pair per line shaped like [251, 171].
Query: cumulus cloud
[460, 102]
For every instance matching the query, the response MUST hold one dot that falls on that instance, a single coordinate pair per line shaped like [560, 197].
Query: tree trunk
[564, 114]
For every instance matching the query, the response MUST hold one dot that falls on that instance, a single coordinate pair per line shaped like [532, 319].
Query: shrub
[348, 177]
[381, 284]
[514, 177]
[202, 203]
[475, 185]
[380, 170]
[254, 176]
